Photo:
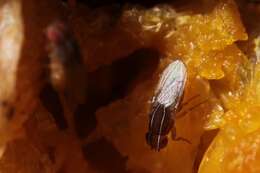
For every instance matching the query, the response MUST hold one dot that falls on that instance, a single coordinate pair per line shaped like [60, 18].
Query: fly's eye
[156, 142]
[163, 142]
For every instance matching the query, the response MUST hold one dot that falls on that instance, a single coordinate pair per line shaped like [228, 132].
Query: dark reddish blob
[160, 125]
[156, 142]
[55, 32]
[61, 44]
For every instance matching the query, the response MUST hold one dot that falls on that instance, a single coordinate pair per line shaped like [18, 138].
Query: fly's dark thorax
[160, 119]
[160, 124]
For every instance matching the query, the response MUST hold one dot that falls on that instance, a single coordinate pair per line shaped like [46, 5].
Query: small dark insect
[165, 105]
[67, 71]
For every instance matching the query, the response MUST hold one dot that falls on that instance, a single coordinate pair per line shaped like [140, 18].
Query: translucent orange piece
[244, 155]
[235, 149]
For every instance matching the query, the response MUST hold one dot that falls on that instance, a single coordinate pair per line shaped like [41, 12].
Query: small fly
[165, 105]
[67, 71]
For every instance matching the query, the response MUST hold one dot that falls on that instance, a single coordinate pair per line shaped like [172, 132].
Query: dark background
[99, 3]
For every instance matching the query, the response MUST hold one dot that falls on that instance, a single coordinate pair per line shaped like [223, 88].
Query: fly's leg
[188, 101]
[182, 113]
[175, 138]
[191, 99]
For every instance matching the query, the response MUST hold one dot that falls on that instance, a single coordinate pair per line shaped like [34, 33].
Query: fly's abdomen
[159, 126]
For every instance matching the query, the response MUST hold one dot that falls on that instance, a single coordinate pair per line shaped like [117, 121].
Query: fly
[67, 71]
[66, 74]
[165, 105]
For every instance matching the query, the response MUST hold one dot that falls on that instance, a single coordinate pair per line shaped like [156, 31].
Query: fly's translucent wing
[171, 84]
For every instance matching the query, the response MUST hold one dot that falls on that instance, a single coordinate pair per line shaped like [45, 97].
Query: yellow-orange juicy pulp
[218, 72]
[226, 82]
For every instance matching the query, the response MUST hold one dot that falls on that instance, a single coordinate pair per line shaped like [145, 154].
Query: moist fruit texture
[125, 51]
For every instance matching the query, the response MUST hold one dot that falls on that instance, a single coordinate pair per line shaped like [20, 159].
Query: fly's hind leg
[175, 138]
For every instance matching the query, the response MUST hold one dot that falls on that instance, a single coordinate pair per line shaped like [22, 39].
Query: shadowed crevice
[51, 101]
[104, 157]
[112, 82]
[205, 141]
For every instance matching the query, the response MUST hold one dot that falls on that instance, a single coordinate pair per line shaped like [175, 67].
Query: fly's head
[56, 35]
[61, 45]
[56, 32]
